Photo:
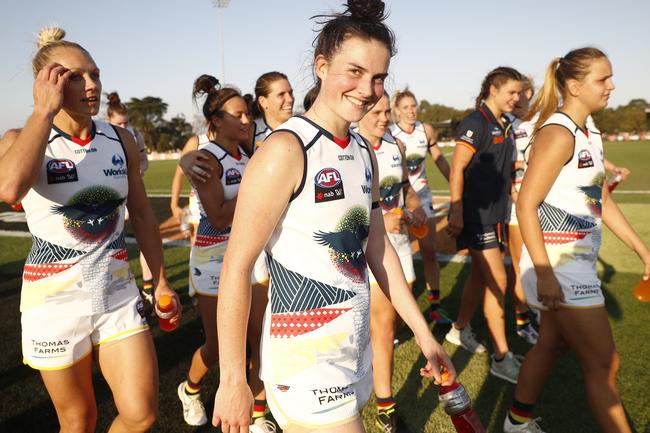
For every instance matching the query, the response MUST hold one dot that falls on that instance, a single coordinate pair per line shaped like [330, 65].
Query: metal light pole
[221, 4]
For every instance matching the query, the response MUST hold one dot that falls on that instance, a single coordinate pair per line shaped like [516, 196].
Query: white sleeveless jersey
[231, 175]
[390, 173]
[416, 146]
[206, 255]
[316, 326]
[78, 264]
[262, 130]
[570, 215]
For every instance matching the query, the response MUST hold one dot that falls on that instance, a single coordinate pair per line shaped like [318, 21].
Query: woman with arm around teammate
[307, 196]
[560, 208]
[419, 139]
[73, 176]
[228, 119]
[395, 193]
[480, 185]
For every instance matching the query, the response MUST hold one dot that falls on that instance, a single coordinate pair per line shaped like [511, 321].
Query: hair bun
[204, 85]
[113, 99]
[367, 10]
[48, 35]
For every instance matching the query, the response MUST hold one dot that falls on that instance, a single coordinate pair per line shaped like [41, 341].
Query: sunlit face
[594, 90]
[352, 80]
[505, 97]
[83, 90]
[235, 120]
[376, 121]
[278, 104]
[121, 120]
[406, 110]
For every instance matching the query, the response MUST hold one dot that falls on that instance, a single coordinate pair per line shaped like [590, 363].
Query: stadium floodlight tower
[221, 4]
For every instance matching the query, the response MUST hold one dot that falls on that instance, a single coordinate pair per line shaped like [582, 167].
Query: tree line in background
[161, 135]
[624, 118]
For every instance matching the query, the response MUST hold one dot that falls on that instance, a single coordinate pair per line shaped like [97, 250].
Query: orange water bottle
[417, 231]
[165, 310]
[642, 290]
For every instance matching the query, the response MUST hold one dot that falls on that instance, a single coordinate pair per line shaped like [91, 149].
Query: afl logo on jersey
[584, 159]
[328, 185]
[61, 171]
[233, 176]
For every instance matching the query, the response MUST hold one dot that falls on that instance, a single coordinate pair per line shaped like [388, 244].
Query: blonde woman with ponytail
[560, 208]
[74, 175]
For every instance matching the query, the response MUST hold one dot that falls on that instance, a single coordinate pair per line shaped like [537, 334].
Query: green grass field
[634, 155]
[25, 406]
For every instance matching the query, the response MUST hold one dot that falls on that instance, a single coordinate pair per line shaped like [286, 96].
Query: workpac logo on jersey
[119, 168]
[328, 185]
[497, 136]
[233, 176]
[61, 171]
[584, 159]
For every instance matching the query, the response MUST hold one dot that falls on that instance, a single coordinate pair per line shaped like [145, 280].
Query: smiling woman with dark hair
[309, 198]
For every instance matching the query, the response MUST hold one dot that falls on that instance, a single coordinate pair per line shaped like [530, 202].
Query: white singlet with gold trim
[416, 144]
[570, 218]
[316, 326]
[206, 255]
[78, 264]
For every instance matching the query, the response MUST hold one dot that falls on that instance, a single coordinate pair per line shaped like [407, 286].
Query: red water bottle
[457, 404]
[165, 310]
[612, 184]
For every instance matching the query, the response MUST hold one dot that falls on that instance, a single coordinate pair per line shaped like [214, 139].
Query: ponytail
[548, 97]
[573, 66]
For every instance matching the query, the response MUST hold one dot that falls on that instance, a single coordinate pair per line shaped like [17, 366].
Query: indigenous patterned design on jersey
[570, 215]
[210, 244]
[390, 173]
[416, 144]
[262, 130]
[78, 263]
[316, 326]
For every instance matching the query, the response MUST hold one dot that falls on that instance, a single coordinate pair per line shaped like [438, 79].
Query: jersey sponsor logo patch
[328, 185]
[521, 133]
[584, 159]
[468, 136]
[61, 171]
[498, 140]
[233, 176]
[346, 157]
[118, 170]
[84, 150]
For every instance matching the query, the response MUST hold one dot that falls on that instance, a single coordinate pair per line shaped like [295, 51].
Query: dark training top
[488, 175]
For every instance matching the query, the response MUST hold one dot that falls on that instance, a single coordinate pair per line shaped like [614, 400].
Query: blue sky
[158, 47]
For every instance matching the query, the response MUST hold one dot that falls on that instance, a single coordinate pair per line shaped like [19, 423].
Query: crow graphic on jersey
[414, 162]
[346, 244]
[389, 190]
[92, 213]
[594, 193]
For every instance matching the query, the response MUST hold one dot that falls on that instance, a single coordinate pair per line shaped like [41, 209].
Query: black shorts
[482, 237]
